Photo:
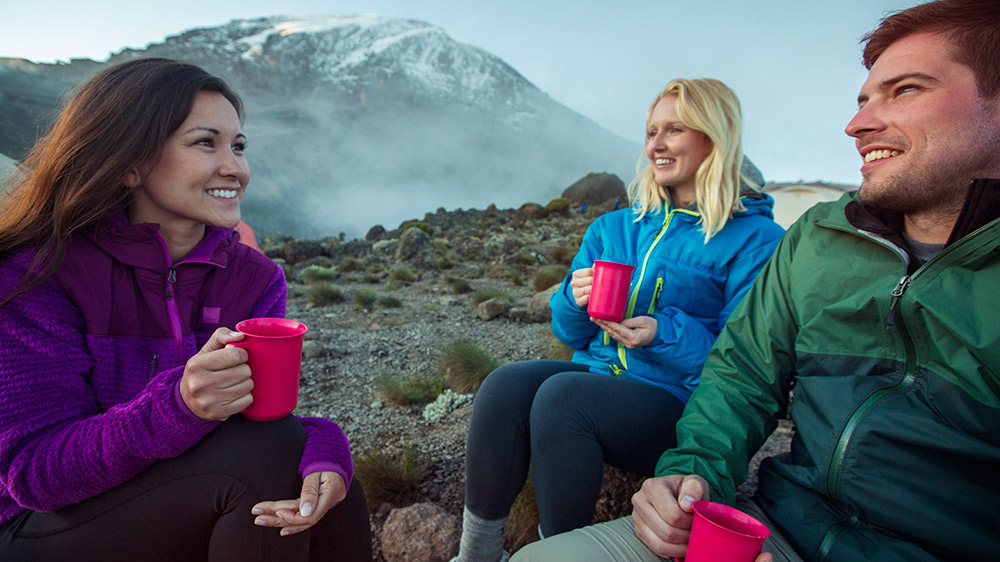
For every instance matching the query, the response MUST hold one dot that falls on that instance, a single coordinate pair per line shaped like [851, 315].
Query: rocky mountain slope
[359, 120]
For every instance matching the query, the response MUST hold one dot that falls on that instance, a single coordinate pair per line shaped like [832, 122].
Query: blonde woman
[697, 233]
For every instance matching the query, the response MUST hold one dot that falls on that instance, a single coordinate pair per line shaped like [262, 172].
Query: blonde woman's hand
[630, 332]
[581, 283]
[320, 492]
[216, 381]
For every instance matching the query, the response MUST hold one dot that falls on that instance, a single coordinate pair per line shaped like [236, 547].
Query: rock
[375, 232]
[530, 211]
[311, 349]
[519, 314]
[416, 248]
[593, 189]
[491, 308]
[295, 251]
[538, 306]
[421, 532]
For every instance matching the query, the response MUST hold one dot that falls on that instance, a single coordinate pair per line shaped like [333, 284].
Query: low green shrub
[464, 365]
[547, 276]
[365, 298]
[402, 275]
[324, 293]
[351, 264]
[458, 286]
[388, 301]
[388, 477]
[404, 390]
[418, 224]
[315, 274]
[483, 295]
[559, 205]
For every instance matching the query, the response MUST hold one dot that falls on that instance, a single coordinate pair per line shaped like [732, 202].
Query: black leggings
[567, 422]
[197, 507]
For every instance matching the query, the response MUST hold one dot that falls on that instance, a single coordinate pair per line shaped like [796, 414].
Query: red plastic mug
[275, 349]
[609, 292]
[722, 533]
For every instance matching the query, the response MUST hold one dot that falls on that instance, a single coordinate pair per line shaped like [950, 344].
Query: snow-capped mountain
[361, 120]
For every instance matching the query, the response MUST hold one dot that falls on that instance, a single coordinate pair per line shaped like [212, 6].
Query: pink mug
[722, 533]
[275, 349]
[609, 292]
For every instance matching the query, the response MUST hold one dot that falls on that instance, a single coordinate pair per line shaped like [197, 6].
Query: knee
[558, 405]
[257, 449]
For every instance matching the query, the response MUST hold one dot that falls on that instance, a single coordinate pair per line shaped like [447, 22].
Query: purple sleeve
[56, 446]
[326, 448]
[271, 303]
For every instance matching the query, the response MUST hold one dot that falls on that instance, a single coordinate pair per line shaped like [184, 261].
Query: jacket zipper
[656, 295]
[642, 273]
[152, 366]
[175, 320]
[893, 320]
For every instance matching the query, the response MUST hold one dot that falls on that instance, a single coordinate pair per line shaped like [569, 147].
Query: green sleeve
[744, 384]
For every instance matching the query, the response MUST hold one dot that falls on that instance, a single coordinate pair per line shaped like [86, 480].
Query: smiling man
[880, 311]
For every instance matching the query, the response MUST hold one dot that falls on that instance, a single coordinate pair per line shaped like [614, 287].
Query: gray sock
[482, 539]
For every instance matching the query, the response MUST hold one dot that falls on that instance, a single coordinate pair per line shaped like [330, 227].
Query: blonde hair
[709, 106]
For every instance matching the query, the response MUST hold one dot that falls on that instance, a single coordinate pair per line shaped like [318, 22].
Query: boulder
[421, 532]
[538, 306]
[596, 188]
[416, 248]
[530, 211]
[295, 251]
[375, 232]
[491, 308]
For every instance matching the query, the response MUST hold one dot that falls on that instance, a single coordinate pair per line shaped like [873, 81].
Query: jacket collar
[982, 206]
[142, 246]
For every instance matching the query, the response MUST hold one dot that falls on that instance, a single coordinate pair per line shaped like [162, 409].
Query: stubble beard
[940, 187]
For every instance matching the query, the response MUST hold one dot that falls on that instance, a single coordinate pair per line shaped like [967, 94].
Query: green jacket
[896, 385]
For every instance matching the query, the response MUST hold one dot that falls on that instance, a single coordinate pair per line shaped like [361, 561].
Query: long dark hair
[74, 175]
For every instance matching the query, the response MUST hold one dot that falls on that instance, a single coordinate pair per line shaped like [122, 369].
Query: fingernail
[234, 334]
[686, 502]
[306, 509]
[285, 532]
[259, 521]
[256, 511]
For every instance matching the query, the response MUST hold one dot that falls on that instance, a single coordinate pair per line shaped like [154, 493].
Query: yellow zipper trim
[642, 272]
[656, 295]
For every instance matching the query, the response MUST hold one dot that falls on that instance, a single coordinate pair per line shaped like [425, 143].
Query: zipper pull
[896, 294]
[152, 365]
[171, 279]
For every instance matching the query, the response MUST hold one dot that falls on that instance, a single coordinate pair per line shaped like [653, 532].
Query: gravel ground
[348, 348]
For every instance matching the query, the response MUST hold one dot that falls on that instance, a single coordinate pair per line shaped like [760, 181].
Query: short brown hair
[972, 26]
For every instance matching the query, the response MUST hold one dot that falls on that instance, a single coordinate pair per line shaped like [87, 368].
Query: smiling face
[200, 175]
[674, 150]
[923, 130]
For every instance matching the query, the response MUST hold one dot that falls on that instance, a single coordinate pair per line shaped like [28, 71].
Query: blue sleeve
[570, 323]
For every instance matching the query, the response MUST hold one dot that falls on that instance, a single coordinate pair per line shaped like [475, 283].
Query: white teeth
[880, 154]
[660, 161]
[222, 193]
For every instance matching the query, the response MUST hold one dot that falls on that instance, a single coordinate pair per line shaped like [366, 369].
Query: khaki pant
[615, 541]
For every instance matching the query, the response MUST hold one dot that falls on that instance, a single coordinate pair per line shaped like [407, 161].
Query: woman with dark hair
[120, 279]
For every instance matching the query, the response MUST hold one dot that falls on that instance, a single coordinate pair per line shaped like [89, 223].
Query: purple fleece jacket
[90, 360]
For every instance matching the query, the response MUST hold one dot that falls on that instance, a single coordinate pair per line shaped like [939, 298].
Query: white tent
[791, 200]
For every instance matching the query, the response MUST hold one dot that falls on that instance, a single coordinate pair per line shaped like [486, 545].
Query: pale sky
[795, 64]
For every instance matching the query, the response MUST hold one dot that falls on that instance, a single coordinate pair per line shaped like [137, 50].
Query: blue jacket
[690, 287]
